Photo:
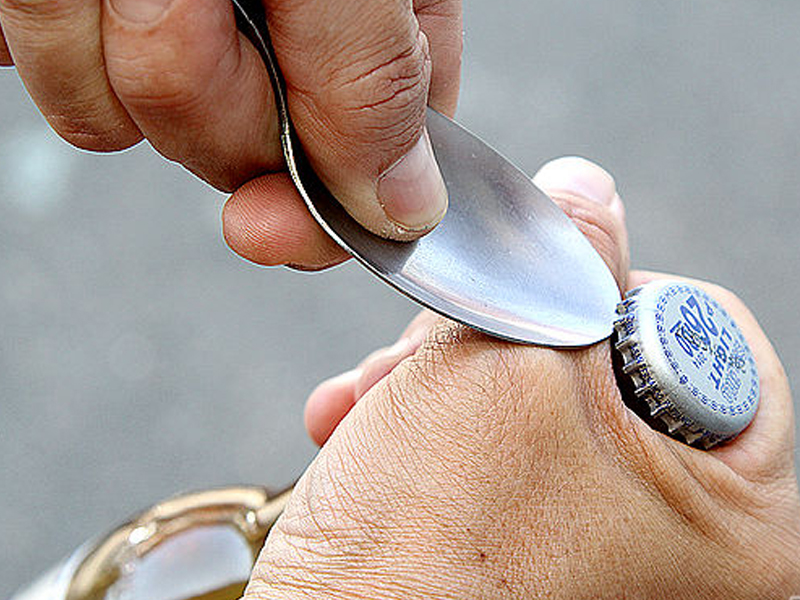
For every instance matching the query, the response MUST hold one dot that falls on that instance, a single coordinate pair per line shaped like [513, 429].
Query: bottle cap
[683, 364]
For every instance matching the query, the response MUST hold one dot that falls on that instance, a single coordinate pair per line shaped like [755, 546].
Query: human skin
[108, 73]
[467, 467]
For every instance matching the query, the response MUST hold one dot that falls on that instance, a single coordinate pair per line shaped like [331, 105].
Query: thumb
[588, 195]
[358, 75]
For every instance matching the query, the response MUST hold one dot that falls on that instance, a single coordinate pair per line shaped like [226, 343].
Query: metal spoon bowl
[505, 259]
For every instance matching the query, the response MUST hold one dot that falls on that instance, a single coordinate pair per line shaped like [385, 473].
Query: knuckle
[384, 96]
[399, 81]
[87, 134]
[445, 8]
[139, 85]
[162, 68]
[25, 9]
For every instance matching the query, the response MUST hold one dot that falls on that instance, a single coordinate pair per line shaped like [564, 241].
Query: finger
[358, 76]
[382, 362]
[588, 194]
[330, 402]
[441, 21]
[266, 222]
[5, 55]
[58, 54]
[765, 450]
[194, 85]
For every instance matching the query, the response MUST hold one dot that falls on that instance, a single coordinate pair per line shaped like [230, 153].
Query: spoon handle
[252, 21]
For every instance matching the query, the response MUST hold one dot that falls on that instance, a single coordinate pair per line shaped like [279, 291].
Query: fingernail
[412, 191]
[140, 11]
[579, 177]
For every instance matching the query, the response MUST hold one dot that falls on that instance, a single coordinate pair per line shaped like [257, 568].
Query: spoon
[505, 259]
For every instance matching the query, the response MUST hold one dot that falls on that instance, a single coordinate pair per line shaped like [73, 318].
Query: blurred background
[139, 357]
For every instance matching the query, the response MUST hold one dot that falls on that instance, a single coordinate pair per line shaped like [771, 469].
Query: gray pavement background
[139, 357]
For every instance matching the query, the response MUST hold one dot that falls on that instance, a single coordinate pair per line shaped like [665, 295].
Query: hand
[107, 73]
[474, 468]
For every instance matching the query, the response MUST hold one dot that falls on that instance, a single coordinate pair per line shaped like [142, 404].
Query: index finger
[58, 55]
